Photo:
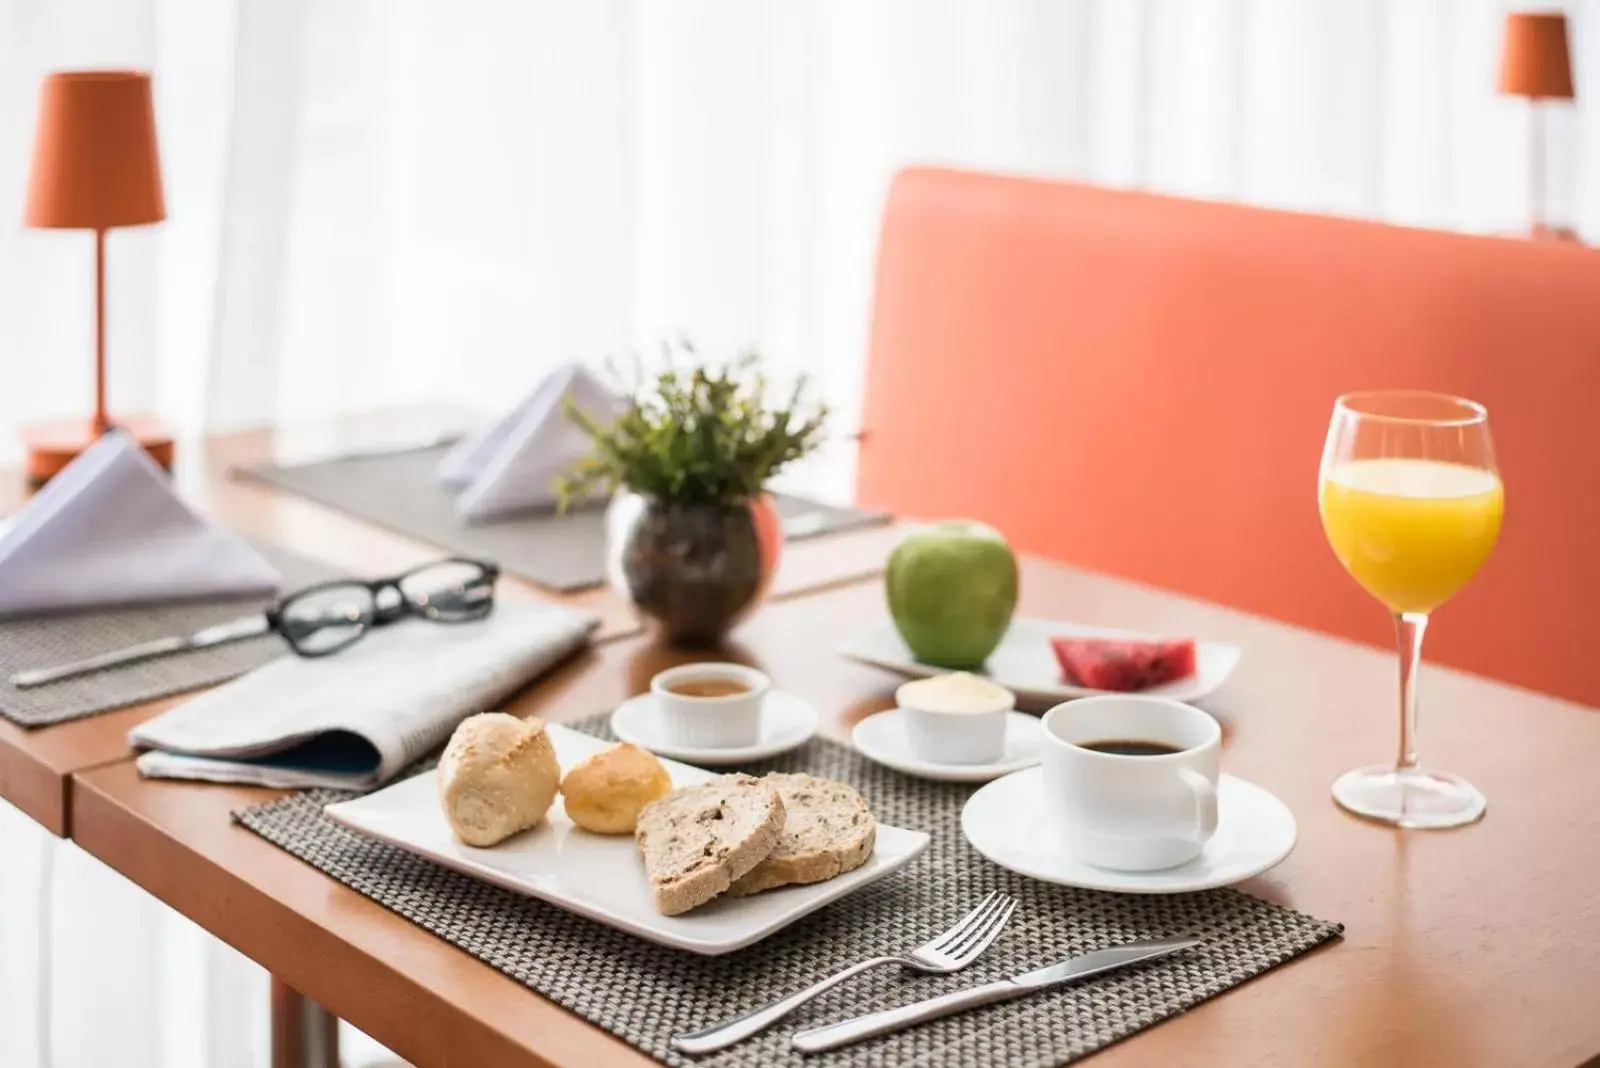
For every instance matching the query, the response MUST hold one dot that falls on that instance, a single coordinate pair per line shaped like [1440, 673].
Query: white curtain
[461, 194]
[383, 202]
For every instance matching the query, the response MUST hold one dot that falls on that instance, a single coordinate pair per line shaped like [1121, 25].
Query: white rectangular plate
[601, 876]
[1025, 664]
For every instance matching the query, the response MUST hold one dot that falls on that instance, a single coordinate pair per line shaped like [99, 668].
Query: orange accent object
[1534, 61]
[95, 161]
[96, 165]
[1140, 385]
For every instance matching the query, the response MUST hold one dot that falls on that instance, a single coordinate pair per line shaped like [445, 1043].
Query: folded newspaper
[355, 719]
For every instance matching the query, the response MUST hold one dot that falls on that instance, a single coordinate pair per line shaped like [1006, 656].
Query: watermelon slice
[1123, 664]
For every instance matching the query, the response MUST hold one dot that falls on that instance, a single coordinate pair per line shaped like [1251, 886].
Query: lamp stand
[102, 422]
[1538, 228]
[1536, 169]
[53, 446]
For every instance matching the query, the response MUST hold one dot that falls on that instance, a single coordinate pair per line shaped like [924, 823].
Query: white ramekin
[968, 737]
[711, 722]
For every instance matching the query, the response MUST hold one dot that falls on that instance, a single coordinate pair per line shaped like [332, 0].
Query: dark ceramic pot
[696, 569]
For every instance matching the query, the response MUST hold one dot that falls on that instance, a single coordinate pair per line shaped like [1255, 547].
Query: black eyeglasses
[326, 618]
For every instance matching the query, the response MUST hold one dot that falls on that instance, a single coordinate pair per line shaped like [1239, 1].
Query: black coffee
[1131, 747]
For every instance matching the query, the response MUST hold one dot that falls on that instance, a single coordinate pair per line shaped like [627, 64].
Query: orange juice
[1412, 532]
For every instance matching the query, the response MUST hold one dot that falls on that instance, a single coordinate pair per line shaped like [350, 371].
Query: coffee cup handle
[1205, 803]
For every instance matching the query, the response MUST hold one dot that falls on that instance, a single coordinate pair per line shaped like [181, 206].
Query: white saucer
[882, 737]
[786, 721]
[1006, 822]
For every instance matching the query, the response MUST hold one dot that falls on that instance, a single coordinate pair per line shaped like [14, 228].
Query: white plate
[601, 876]
[882, 737]
[1025, 664]
[786, 721]
[1006, 822]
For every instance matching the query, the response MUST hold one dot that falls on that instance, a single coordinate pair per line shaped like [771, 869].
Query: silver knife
[818, 1039]
[220, 634]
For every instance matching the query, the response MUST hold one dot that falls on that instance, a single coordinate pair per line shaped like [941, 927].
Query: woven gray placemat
[644, 993]
[44, 640]
[399, 491]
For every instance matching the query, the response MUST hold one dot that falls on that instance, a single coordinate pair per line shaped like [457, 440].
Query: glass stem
[1409, 627]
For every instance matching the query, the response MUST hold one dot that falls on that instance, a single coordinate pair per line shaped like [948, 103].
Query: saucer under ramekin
[787, 721]
[882, 738]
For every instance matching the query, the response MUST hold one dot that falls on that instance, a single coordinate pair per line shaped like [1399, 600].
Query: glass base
[1415, 798]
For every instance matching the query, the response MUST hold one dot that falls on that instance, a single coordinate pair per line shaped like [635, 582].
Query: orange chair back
[1140, 385]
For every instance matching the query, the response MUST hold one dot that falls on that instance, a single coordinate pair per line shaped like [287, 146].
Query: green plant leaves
[697, 434]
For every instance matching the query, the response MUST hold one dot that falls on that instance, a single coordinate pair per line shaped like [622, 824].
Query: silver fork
[949, 951]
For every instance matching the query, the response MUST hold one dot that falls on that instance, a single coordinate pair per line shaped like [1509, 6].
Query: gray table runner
[399, 491]
[44, 640]
[644, 993]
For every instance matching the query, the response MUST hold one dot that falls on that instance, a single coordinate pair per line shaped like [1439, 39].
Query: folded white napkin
[110, 530]
[513, 464]
[354, 719]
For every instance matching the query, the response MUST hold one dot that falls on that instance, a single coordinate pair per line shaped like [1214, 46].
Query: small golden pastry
[497, 777]
[604, 793]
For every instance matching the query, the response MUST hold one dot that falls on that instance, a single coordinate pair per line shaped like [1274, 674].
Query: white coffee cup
[1131, 813]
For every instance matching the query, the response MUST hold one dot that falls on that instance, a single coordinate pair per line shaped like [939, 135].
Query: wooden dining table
[1469, 947]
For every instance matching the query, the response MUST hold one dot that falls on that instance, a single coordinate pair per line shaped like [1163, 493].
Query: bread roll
[604, 793]
[498, 776]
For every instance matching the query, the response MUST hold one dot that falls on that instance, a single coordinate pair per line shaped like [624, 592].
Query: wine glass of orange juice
[1411, 504]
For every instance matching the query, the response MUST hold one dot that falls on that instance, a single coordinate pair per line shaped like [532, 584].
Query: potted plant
[692, 536]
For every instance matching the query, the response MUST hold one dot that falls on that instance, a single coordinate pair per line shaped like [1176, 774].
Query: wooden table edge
[36, 788]
[528, 1029]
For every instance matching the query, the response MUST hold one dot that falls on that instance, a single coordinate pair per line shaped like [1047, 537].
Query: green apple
[952, 588]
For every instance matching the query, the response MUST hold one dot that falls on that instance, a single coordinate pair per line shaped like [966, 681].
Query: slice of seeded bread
[698, 839]
[829, 830]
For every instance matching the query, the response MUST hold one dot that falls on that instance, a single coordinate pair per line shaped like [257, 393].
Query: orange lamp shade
[95, 160]
[1535, 61]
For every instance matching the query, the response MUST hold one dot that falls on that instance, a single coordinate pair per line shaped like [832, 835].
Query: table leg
[304, 1034]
